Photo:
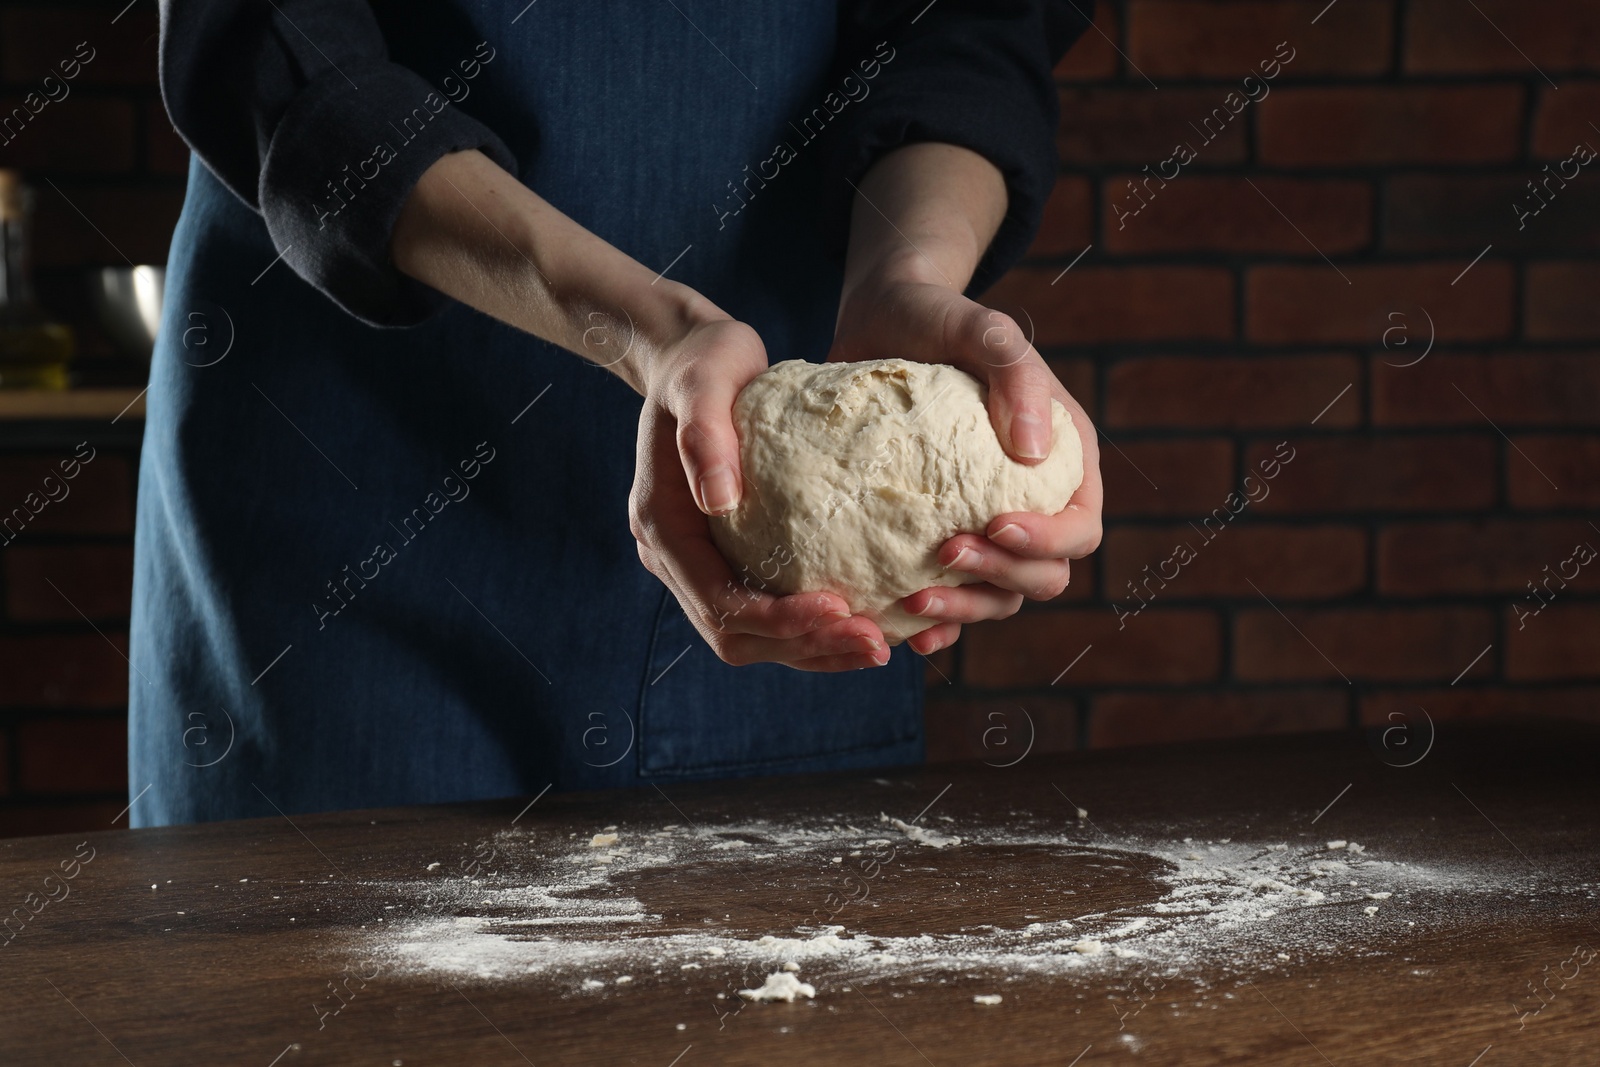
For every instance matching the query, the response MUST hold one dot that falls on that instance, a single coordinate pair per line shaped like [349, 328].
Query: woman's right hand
[688, 468]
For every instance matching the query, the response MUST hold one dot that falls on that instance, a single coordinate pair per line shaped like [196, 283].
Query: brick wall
[117, 168]
[1282, 285]
[1269, 297]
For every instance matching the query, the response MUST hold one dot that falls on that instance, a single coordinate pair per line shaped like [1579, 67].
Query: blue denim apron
[379, 567]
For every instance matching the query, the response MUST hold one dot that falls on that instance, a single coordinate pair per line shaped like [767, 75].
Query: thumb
[708, 444]
[1020, 385]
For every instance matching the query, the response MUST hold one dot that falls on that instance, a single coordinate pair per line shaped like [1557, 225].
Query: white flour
[780, 985]
[568, 921]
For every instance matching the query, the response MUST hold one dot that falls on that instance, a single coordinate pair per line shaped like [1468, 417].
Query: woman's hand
[1023, 555]
[473, 231]
[688, 468]
[922, 218]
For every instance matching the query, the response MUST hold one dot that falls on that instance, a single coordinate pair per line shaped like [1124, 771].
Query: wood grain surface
[274, 941]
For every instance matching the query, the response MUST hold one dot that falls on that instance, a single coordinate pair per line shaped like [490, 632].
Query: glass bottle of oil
[34, 352]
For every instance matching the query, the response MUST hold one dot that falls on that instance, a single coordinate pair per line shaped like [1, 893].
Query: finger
[1072, 533]
[681, 552]
[730, 607]
[834, 664]
[1036, 579]
[708, 444]
[1020, 385]
[963, 603]
[934, 638]
[856, 636]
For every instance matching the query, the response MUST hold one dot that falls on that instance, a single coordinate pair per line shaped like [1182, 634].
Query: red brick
[1561, 301]
[1121, 304]
[1377, 644]
[1136, 125]
[1483, 557]
[136, 223]
[34, 40]
[1348, 126]
[72, 755]
[1198, 213]
[1165, 718]
[1551, 471]
[1561, 643]
[997, 731]
[1435, 213]
[59, 817]
[1159, 646]
[164, 152]
[1514, 389]
[94, 579]
[1068, 220]
[1564, 118]
[1222, 391]
[64, 671]
[76, 134]
[1094, 57]
[1340, 475]
[1466, 704]
[1552, 35]
[1283, 561]
[1313, 304]
[1169, 477]
[1181, 39]
[98, 501]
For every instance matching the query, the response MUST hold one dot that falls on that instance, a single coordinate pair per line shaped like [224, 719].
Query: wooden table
[271, 942]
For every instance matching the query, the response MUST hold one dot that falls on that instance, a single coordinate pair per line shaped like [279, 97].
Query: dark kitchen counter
[1195, 913]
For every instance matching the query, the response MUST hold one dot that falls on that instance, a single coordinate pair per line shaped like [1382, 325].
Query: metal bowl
[127, 305]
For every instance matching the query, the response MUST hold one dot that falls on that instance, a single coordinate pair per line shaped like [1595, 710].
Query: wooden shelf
[39, 404]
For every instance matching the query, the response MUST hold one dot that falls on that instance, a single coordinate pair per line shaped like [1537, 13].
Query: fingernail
[966, 560]
[828, 617]
[1030, 436]
[863, 643]
[934, 607]
[1010, 536]
[719, 490]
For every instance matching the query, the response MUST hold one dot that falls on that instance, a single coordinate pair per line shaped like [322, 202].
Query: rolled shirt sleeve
[297, 109]
[973, 73]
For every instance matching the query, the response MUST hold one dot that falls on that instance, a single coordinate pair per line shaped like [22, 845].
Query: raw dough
[856, 473]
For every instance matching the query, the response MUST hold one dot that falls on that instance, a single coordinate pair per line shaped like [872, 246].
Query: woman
[383, 553]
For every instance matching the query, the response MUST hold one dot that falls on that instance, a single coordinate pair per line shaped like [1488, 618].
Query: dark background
[1274, 291]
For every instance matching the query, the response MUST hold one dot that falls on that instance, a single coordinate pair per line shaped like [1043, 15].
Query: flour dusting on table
[550, 913]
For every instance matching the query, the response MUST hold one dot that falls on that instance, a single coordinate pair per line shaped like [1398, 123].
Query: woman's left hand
[908, 314]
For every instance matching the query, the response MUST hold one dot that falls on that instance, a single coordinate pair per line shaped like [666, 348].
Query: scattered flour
[990, 999]
[921, 835]
[780, 985]
[551, 914]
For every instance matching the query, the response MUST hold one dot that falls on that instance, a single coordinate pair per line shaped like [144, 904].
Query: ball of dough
[856, 473]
